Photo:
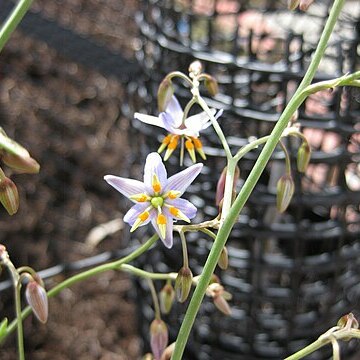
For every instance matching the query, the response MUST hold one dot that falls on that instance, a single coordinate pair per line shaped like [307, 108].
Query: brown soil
[69, 118]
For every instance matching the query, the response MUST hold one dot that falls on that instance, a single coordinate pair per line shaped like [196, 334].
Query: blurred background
[71, 77]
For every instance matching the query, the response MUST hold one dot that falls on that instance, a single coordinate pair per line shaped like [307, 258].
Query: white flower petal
[181, 181]
[127, 187]
[149, 119]
[154, 166]
[134, 212]
[175, 110]
[168, 240]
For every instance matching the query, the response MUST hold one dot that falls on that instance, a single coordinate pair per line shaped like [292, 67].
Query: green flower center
[157, 201]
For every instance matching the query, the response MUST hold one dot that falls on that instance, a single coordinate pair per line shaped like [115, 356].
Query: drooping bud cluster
[18, 159]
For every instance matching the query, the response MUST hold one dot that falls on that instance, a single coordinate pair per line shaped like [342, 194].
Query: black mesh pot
[292, 275]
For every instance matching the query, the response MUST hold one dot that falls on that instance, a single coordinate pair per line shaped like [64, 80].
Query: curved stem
[249, 185]
[184, 249]
[287, 158]
[214, 122]
[155, 300]
[20, 332]
[115, 265]
[13, 20]
[146, 274]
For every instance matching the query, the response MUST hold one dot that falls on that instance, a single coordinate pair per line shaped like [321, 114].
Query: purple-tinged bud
[166, 297]
[293, 4]
[168, 352]
[223, 259]
[222, 304]
[195, 68]
[220, 297]
[303, 157]
[220, 187]
[9, 196]
[211, 84]
[159, 337]
[305, 4]
[38, 301]
[165, 93]
[3, 328]
[285, 192]
[22, 164]
[183, 284]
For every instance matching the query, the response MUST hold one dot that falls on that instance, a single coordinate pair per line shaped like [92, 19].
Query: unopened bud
[9, 196]
[211, 85]
[222, 304]
[223, 259]
[167, 297]
[195, 68]
[220, 187]
[285, 192]
[305, 4]
[22, 164]
[168, 352]
[183, 284]
[38, 301]
[303, 157]
[293, 4]
[348, 320]
[159, 337]
[165, 93]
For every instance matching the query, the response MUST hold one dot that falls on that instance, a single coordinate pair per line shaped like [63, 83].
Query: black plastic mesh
[292, 275]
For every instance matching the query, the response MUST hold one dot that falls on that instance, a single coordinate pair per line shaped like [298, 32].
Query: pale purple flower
[157, 199]
[172, 120]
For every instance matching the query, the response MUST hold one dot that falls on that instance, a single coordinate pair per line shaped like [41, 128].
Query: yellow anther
[164, 143]
[161, 221]
[140, 219]
[173, 143]
[179, 214]
[199, 147]
[156, 184]
[190, 148]
[140, 197]
[173, 194]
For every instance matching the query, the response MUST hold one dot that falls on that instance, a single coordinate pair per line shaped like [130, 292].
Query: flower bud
[305, 4]
[183, 284]
[285, 192]
[37, 299]
[167, 297]
[348, 320]
[220, 187]
[159, 337]
[211, 85]
[223, 259]
[303, 157]
[22, 164]
[222, 304]
[9, 196]
[293, 4]
[165, 92]
[195, 68]
[220, 297]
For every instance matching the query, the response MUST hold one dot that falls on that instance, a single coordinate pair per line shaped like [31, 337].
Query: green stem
[115, 265]
[184, 249]
[146, 274]
[249, 185]
[20, 332]
[287, 158]
[155, 300]
[13, 20]
[214, 122]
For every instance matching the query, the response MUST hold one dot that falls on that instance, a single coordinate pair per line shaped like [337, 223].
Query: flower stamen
[164, 143]
[190, 148]
[140, 197]
[171, 147]
[161, 221]
[140, 219]
[178, 214]
[199, 147]
[172, 194]
[156, 184]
